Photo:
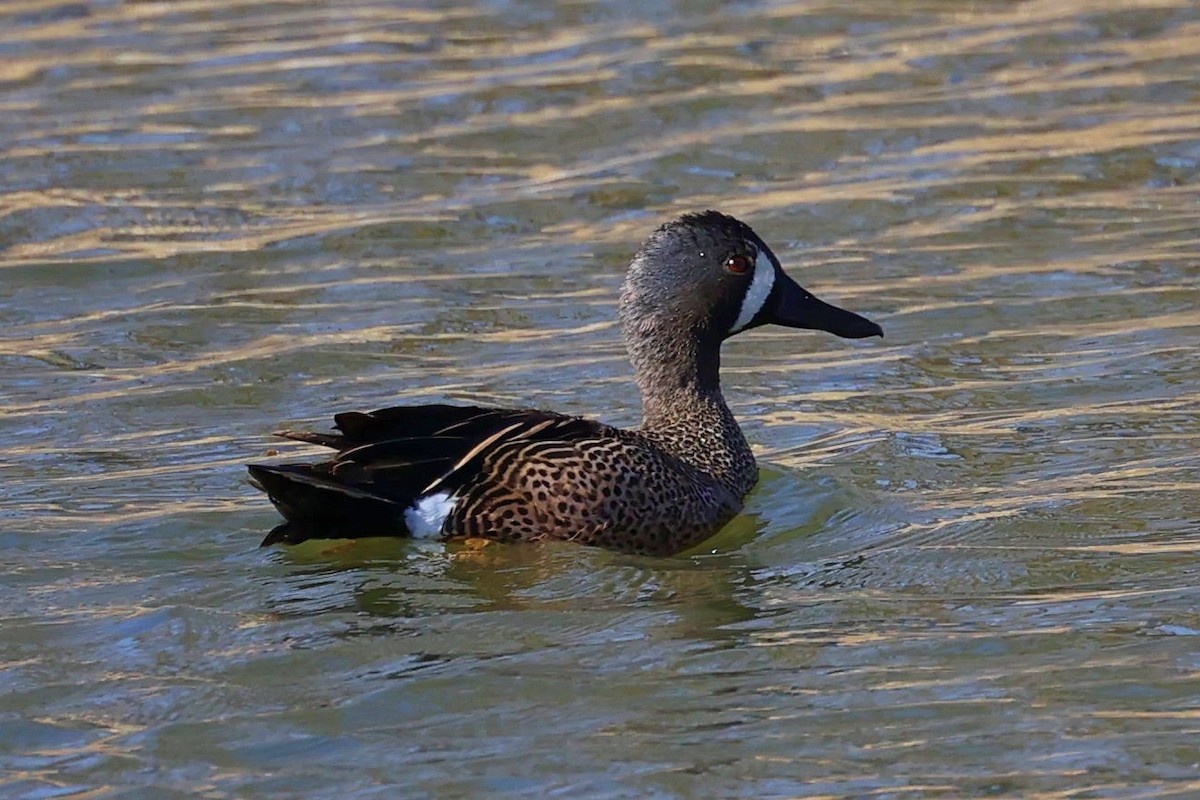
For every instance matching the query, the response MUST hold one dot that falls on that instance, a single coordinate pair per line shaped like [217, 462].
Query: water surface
[970, 569]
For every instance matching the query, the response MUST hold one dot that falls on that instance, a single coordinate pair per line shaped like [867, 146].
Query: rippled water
[971, 567]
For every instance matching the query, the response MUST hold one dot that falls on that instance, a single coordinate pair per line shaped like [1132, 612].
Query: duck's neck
[674, 369]
[684, 411]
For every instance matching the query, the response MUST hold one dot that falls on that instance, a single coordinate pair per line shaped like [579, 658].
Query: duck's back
[451, 471]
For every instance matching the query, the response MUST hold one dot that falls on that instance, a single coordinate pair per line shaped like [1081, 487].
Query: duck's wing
[389, 459]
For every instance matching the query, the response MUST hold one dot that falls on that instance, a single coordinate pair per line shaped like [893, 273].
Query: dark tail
[317, 506]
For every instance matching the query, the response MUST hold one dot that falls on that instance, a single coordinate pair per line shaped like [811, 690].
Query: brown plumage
[450, 471]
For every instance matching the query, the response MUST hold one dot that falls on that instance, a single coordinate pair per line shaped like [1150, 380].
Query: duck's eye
[738, 265]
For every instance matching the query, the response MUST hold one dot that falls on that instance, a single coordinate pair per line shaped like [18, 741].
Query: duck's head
[709, 276]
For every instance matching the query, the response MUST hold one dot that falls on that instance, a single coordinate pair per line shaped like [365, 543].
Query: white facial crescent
[757, 292]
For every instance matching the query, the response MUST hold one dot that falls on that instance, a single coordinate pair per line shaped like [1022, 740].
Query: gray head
[705, 277]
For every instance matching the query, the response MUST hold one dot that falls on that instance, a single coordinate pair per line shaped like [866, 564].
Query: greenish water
[971, 568]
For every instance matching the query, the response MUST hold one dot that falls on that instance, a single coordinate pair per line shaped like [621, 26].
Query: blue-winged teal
[441, 471]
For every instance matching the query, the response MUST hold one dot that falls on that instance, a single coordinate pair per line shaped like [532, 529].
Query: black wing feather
[406, 421]
[389, 457]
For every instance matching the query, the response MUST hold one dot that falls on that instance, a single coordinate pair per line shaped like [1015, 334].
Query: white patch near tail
[757, 292]
[426, 517]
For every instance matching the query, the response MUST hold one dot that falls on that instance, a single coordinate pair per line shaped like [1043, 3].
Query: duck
[443, 471]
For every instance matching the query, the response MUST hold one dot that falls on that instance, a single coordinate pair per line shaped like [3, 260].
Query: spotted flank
[446, 471]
